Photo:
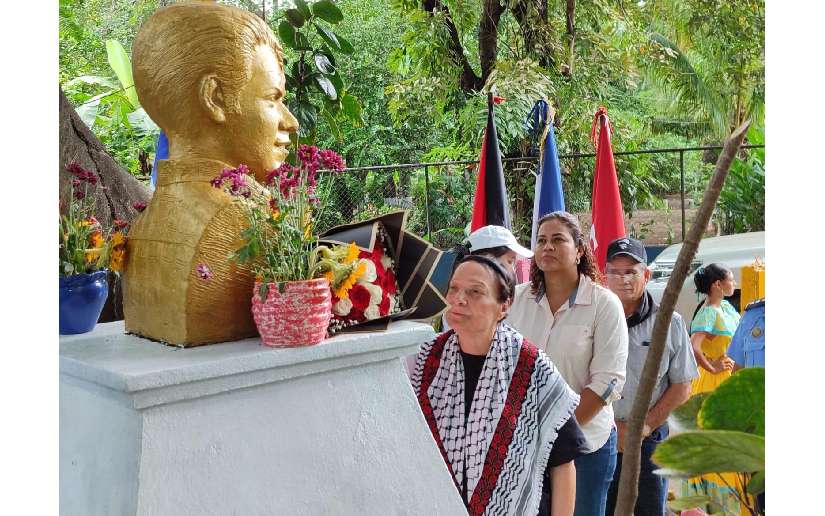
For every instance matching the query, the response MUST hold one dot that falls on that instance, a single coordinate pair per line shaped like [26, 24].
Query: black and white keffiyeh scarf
[519, 405]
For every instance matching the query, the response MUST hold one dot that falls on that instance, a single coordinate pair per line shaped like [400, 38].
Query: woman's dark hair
[587, 263]
[708, 275]
[462, 250]
[505, 279]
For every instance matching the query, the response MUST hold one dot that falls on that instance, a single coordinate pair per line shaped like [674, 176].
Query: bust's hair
[178, 45]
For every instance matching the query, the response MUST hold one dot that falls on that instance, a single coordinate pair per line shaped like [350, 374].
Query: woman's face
[727, 285]
[555, 250]
[473, 300]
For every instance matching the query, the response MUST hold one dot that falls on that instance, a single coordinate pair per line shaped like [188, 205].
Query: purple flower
[236, 178]
[331, 160]
[204, 271]
[79, 194]
[139, 206]
[81, 173]
[75, 183]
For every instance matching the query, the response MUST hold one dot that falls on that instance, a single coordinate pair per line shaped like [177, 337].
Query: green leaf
[333, 124]
[327, 11]
[303, 8]
[737, 404]
[691, 502]
[336, 81]
[120, 63]
[351, 108]
[301, 42]
[712, 451]
[307, 116]
[323, 64]
[90, 79]
[287, 33]
[291, 83]
[326, 87]
[328, 36]
[685, 415]
[757, 484]
[346, 46]
[295, 18]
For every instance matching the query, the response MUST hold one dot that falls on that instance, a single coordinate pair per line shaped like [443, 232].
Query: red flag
[490, 205]
[606, 203]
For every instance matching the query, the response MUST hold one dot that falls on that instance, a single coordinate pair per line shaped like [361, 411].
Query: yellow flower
[343, 291]
[118, 239]
[308, 230]
[352, 253]
[329, 275]
[117, 258]
[92, 254]
[96, 239]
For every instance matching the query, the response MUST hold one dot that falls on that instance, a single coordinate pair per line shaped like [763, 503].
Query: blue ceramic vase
[82, 297]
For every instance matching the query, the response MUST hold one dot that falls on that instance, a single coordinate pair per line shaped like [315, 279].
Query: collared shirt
[587, 341]
[678, 364]
[747, 348]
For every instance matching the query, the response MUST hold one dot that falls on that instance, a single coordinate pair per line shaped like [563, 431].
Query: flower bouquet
[87, 252]
[396, 283]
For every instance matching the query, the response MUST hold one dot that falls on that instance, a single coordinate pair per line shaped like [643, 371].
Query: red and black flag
[490, 205]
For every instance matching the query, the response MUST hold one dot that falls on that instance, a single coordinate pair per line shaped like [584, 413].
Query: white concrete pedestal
[241, 429]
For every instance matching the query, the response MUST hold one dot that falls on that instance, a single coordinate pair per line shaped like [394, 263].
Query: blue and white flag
[549, 195]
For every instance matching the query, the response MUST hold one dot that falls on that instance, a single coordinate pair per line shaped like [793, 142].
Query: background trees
[413, 86]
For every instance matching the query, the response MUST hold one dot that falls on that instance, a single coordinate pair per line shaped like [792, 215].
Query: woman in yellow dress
[712, 329]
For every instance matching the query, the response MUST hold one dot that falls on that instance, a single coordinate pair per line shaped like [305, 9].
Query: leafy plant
[85, 246]
[306, 30]
[728, 436]
[742, 201]
[110, 107]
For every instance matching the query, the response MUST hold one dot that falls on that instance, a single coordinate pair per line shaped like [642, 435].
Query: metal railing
[354, 192]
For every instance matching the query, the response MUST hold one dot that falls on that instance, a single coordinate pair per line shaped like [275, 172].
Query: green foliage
[318, 89]
[727, 436]
[742, 200]
[685, 415]
[711, 451]
[737, 404]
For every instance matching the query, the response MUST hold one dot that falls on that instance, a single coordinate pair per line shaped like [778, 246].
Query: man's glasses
[631, 275]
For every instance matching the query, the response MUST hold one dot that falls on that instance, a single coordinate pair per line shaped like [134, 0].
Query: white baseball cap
[495, 236]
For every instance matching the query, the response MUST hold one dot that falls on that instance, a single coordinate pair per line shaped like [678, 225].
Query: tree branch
[629, 481]
[468, 80]
[488, 37]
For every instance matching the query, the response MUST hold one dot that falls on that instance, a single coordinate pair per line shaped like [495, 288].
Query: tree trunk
[629, 481]
[488, 37]
[117, 190]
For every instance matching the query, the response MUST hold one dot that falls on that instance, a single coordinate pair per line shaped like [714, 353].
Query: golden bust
[211, 76]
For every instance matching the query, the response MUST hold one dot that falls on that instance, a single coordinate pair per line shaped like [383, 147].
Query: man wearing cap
[627, 276]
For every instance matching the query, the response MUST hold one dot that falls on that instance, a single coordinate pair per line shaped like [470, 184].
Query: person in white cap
[498, 243]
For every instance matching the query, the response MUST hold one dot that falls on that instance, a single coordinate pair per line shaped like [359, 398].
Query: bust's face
[259, 133]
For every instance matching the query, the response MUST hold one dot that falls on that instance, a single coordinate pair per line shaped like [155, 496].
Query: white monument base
[241, 429]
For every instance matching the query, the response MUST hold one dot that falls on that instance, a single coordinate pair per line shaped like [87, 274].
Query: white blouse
[586, 340]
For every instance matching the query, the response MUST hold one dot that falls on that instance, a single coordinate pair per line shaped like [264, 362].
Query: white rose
[372, 312]
[375, 293]
[392, 304]
[370, 275]
[386, 261]
[342, 307]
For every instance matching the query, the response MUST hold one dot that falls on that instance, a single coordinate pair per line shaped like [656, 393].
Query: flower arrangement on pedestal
[87, 252]
[291, 301]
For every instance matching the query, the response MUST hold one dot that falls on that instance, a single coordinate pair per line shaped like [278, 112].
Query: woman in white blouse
[581, 326]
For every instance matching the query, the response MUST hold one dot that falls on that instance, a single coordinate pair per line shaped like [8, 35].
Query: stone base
[238, 428]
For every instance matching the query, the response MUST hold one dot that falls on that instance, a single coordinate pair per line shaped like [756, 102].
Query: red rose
[384, 306]
[360, 297]
[355, 315]
[389, 286]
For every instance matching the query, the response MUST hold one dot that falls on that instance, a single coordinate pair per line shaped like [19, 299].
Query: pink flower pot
[298, 316]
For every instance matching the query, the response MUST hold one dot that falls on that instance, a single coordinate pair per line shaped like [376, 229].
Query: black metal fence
[439, 195]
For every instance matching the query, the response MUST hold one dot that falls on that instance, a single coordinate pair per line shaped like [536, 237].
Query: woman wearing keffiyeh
[498, 409]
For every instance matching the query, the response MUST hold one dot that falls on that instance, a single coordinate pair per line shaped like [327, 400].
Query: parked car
[734, 251]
